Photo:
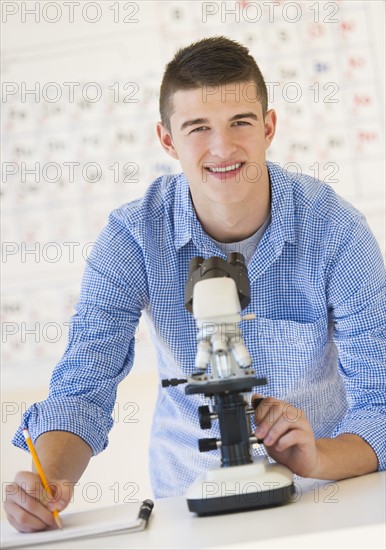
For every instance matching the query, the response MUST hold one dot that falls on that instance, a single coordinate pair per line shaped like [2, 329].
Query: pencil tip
[58, 522]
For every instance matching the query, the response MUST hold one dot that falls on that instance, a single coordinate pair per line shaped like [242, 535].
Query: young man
[316, 277]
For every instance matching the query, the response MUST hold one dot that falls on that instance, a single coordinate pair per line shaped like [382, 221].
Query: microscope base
[237, 488]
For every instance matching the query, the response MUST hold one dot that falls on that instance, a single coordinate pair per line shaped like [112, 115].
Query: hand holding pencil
[28, 506]
[41, 473]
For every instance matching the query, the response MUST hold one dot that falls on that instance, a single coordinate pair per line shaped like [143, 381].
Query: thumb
[256, 400]
[62, 491]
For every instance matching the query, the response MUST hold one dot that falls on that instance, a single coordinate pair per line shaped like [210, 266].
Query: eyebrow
[196, 121]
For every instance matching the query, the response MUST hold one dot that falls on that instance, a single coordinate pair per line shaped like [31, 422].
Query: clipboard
[113, 520]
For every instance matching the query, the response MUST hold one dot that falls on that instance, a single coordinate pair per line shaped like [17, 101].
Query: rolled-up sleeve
[356, 293]
[100, 349]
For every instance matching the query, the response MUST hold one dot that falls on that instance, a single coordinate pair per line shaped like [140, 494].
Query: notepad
[118, 519]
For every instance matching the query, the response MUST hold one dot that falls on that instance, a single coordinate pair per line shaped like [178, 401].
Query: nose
[222, 145]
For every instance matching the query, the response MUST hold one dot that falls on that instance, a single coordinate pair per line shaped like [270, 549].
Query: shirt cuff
[370, 426]
[68, 414]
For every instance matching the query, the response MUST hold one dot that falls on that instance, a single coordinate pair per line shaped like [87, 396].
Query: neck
[235, 222]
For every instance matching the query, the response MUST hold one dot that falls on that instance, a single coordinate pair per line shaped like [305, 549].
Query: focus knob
[204, 417]
[208, 444]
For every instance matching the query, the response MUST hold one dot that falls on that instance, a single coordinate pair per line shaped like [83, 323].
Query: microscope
[215, 293]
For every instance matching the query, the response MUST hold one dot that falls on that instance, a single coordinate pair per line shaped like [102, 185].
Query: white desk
[347, 514]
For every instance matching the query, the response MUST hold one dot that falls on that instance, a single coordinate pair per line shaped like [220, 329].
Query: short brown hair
[212, 61]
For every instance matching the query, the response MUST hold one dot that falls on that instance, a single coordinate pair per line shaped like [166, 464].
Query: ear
[269, 127]
[166, 140]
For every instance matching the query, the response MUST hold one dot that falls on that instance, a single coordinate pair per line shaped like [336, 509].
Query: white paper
[90, 523]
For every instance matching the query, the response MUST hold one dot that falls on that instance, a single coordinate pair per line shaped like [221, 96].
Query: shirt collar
[187, 226]
[184, 214]
[282, 206]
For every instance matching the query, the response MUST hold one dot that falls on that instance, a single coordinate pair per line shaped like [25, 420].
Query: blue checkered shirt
[317, 289]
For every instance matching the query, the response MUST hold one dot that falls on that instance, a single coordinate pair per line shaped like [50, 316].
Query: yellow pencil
[42, 476]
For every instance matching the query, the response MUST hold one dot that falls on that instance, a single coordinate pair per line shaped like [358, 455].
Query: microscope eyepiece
[236, 258]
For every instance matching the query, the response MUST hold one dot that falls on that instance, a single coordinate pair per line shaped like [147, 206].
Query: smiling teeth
[227, 169]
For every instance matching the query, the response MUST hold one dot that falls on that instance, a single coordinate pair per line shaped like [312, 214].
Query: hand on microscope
[287, 435]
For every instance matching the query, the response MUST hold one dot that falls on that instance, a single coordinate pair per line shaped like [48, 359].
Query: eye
[199, 129]
[242, 122]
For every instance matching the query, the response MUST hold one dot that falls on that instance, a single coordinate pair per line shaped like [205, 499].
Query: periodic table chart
[79, 107]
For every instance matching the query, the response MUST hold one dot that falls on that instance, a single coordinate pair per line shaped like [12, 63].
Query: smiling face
[220, 138]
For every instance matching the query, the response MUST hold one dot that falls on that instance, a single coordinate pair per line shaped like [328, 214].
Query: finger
[32, 497]
[56, 499]
[27, 512]
[27, 503]
[256, 397]
[266, 414]
[278, 411]
[22, 525]
[24, 521]
[290, 418]
[290, 439]
[30, 484]
[276, 431]
[255, 401]
[61, 491]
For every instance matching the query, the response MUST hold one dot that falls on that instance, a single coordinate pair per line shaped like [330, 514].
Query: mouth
[225, 170]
